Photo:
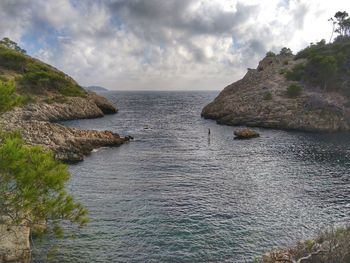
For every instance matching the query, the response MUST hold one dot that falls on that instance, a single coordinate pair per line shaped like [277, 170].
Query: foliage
[270, 54]
[41, 81]
[286, 52]
[37, 77]
[8, 96]
[32, 186]
[342, 20]
[11, 59]
[6, 42]
[296, 73]
[327, 66]
[268, 95]
[321, 70]
[294, 91]
[56, 99]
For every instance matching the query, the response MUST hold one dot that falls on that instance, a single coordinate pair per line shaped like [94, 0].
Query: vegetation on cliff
[32, 76]
[32, 181]
[8, 96]
[327, 65]
[329, 246]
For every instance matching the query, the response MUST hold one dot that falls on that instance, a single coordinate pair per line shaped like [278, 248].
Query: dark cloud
[152, 19]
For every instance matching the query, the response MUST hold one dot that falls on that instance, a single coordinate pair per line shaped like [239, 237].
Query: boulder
[102, 103]
[246, 134]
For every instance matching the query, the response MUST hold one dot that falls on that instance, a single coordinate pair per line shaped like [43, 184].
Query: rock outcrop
[55, 97]
[36, 122]
[260, 99]
[245, 134]
[14, 244]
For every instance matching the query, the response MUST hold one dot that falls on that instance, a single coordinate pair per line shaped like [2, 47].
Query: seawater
[175, 194]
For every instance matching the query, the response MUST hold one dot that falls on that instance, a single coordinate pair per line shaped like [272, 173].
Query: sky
[163, 44]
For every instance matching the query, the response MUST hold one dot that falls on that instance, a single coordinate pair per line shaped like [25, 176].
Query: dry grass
[331, 246]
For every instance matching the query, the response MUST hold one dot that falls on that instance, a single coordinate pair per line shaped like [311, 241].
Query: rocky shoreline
[36, 123]
[259, 99]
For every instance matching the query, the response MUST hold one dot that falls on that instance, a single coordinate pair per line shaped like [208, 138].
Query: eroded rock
[246, 134]
[244, 102]
[36, 124]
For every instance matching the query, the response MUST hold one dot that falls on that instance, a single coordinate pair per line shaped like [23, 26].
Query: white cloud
[156, 44]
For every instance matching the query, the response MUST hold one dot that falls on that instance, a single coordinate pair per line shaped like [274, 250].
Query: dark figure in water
[208, 131]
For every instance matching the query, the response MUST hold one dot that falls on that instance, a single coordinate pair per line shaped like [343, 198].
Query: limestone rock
[105, 105]
[245, 102]
[36, 124]
[246, 134]
[14, 244]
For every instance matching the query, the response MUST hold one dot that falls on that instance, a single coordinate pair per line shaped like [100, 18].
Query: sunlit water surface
[176, 195]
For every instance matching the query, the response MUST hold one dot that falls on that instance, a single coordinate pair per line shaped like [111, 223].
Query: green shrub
[294, 91]
[270, 54]
[32, 186]
[321, 70]
[11, 59]
[268, 95]
[3, 78]
[283, 71]
[36, 76]
[286, 52]
[42, 81]
[327, 65]
[56, 99]
[297, 73]
[8, 96]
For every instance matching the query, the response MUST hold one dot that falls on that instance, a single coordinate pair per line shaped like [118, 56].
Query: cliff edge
[42, 96]
[264, 98]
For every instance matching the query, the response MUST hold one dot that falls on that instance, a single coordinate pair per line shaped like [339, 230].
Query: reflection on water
[176, 194]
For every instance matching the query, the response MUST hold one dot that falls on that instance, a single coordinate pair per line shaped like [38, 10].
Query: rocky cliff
[43, 96]
[260, 99]
[36, 122]
[53, 96]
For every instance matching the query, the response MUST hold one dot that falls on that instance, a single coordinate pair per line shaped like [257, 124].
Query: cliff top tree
[286, 51]
[6, 42]
[341, 25]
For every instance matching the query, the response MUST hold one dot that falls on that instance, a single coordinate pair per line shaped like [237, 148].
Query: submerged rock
[246, 134]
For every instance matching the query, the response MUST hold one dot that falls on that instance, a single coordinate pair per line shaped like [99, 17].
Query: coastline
[36, 123]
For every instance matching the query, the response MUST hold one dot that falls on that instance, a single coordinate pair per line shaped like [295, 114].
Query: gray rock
[246, 134]
[243, 103]
[36, 123]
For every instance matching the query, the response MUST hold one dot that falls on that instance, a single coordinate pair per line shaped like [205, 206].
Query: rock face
[14, 244]
[101, 102]
[36, 124]
[246, 134]
[260, 99]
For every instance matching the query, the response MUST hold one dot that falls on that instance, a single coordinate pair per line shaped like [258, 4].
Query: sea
[177, 194]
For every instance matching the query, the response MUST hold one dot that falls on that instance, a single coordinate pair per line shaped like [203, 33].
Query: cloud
[157, 44]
